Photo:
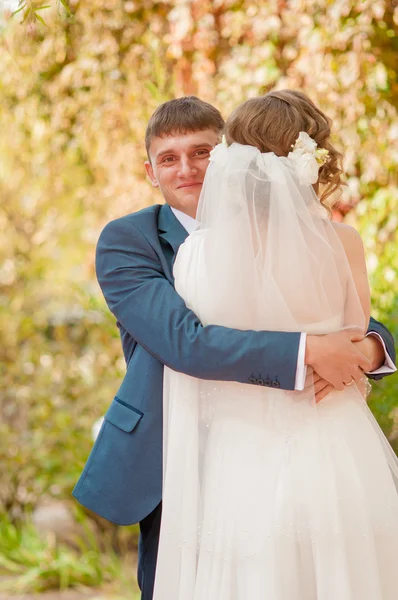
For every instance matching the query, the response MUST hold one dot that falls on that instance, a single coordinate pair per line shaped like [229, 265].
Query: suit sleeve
[148, 307]
[382, 331]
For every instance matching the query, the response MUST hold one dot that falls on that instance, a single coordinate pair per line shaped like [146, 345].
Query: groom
[122, 480]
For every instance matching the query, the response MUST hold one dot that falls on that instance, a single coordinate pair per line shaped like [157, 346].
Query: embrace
[240, 438]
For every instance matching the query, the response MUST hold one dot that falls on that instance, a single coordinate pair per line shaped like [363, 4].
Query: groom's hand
[336, 359]
[373, 349]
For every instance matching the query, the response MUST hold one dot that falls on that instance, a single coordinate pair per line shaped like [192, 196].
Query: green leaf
[39, 18]
[66, 7]
[27, 15]
[19, 9]
[42, 7]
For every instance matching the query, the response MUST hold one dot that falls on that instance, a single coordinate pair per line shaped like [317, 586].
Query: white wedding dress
[267, 495]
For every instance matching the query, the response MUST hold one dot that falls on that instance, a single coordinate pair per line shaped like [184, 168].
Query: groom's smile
[178, 166]
[190, 185]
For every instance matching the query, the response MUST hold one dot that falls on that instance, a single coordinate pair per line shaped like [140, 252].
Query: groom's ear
[151, 174]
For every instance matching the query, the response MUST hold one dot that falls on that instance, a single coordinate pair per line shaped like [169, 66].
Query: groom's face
[178, 166]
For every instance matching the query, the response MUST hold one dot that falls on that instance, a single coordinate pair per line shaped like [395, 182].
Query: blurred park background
[78, 82]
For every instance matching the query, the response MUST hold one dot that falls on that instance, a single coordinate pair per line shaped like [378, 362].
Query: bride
[267, 494]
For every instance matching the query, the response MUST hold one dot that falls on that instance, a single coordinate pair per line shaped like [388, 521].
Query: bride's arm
[379, 344]
[355, 252]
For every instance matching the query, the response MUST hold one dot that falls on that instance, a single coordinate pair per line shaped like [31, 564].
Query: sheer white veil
[273, 258]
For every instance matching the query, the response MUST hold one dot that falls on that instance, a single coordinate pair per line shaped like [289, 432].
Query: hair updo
[273, 122]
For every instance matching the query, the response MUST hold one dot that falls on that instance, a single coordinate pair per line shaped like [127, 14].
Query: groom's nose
[187, 166]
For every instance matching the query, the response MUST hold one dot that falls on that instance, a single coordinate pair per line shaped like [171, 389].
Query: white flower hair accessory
[308, 158]
[220, 152]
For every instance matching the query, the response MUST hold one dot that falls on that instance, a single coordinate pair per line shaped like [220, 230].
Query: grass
[30, 562]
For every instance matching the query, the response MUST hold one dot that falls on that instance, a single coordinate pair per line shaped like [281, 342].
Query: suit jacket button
[260, 381]
[276, 384]
[252, 380]
[268, 382]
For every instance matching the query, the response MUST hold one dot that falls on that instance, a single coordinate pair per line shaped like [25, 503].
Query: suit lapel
[171, 233]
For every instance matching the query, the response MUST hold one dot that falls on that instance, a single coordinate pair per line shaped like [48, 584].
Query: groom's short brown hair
[182, 115]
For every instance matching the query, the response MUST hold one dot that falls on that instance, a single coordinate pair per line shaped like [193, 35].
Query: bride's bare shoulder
[344, 230]
[349, 236]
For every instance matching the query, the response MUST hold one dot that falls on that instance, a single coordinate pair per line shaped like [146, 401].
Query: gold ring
[351, 382]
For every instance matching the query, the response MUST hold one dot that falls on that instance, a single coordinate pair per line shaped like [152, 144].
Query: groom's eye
[168, 159]
[203, 152]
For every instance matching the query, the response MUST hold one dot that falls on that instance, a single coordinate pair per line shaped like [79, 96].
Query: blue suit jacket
[122, 479]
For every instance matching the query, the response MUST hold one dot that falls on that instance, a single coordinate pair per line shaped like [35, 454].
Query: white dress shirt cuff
[301, 370]
[388, 366]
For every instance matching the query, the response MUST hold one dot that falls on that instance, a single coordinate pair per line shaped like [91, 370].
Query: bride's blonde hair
[273, 122]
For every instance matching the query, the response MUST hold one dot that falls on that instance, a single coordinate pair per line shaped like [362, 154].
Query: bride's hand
[336, 358]
[321, 387]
